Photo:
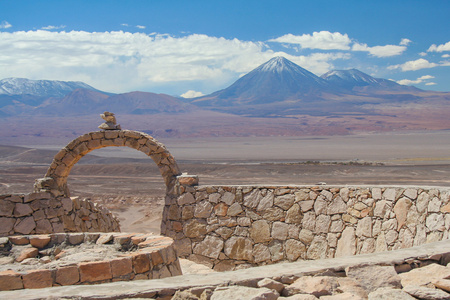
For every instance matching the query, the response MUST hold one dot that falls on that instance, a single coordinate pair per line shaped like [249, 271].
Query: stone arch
[58, 172]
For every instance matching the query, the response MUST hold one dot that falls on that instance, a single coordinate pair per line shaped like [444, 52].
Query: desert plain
[130, 185]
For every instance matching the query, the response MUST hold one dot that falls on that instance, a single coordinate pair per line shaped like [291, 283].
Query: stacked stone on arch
[65, 159]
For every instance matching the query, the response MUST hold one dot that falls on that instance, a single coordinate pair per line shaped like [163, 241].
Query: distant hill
[40, 88]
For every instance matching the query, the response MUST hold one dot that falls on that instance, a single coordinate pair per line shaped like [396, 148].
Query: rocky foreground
[359, 282]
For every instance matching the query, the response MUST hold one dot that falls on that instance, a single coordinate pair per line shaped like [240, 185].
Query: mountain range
[339, 101]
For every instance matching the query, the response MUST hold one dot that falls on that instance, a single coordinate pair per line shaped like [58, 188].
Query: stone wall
[42, 212]
[138, 256]
[230, 227]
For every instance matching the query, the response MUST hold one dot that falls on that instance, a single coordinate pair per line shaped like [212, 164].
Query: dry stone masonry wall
[41, 212]
[55, 180]
[39, 261]
[230, 227]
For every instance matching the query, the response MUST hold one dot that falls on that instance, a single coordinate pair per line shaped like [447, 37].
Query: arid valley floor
[129, 183]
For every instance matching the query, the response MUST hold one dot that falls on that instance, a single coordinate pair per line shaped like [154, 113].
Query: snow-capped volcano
[40, 88]
[274, 81]
[351, 79]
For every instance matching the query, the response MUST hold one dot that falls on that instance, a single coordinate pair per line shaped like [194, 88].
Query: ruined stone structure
[50, 209]
[229, 227]
[124, 257]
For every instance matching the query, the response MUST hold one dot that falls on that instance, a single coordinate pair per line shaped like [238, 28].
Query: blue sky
[202, 46]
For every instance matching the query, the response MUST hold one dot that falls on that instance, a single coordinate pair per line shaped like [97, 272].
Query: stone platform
[400, 260]
[61, 259]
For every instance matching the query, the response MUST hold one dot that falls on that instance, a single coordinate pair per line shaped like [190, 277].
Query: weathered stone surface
[67, 275]
[95, 271]
[27, 253]
[338, 206]
[364, 227]
[390, 294]
[294, 215]
[285, 201]
[381, 207]
[318, 248]
[435, 222]
[37, 279]
[10, 280]
[39, 241]
[401, 209]
[260, 231]
[443, 284]
[238, 248]
[6, 209]
[203, 209]
[271, 284]
[374, 277]
[280, 230]
[425, 275]
[323, 223]
[186, 198]
[266, 202]
[294, 249]
[317, 286]
[306, 236]
[347, 243]
[194, 228]
[121, 266]
[242, 292]
[25, 226]
[252, 200]
[422, 292]
[209, 247]
[261, 253]
[234, 209]
[6, 225]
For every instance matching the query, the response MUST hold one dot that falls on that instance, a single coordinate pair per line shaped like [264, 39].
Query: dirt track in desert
[129, 183]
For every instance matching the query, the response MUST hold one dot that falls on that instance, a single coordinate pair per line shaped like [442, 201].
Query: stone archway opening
[56, 178]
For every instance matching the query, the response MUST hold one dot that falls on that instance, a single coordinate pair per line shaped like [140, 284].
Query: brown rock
[271, 284]
[347, 243]
[374, 277]
[67, 275]
[425, 275]
[25, 226]
[6, 209]
[141, 262]
[260, 231]
[27, 253]
[422, 292]
[210, 247]
[6, 225]
[22, 210]
[44, 226]
[443, 284]
[238, 248]
[401, 209]
[10, 280]
[194, 228]
[317, 286]
[221, 209]
[95, 271]
[121, 266]
[37, 279]
[19, 240]
[39, 241]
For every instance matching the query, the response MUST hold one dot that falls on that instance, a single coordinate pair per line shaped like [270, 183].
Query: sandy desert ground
[128, 182]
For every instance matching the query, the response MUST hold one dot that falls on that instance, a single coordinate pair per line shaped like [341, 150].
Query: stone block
[260, 231]
[141, 262]
[37, 279]
[10, 280]
[210, 247]
[6, 208]
[95, 271]
[44, 226]
[6, 225]
[25, 226]
[22, 210]
[121, 266]
[238, 248]
[39, 241]
[67, 275]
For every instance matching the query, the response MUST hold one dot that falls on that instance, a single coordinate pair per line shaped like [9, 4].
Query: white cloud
[4, 25]
[380, 51]
[192, 94]
[440, 48]
[417, 81]
[124, 24]
[423, 54]
[414, 65]
[323, 40]
[405, 42]
[51, 27]
[140, 26]
[445, 55]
